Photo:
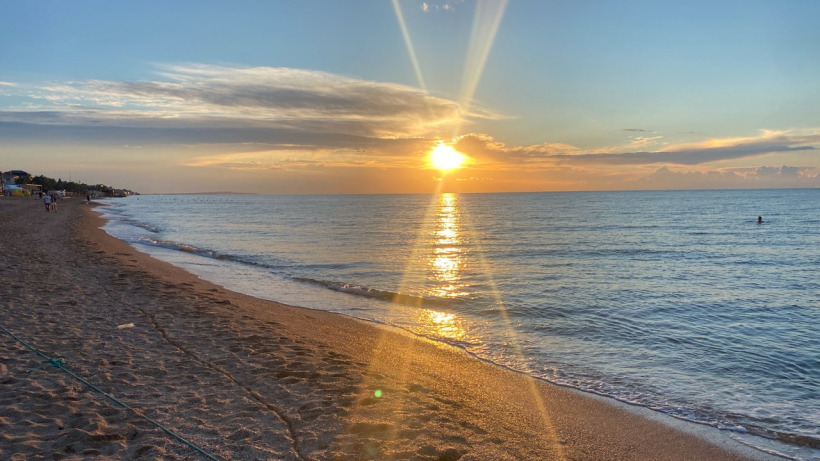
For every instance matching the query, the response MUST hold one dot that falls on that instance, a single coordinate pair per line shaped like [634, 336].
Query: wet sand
[248, 379]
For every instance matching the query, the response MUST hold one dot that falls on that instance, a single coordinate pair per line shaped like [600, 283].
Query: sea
[680, 302]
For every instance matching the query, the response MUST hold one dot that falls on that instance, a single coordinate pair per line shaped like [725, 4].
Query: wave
[111, 209]
[184, 247]
[372, 293]
[342, 287]
[141, 225]
[644, 397]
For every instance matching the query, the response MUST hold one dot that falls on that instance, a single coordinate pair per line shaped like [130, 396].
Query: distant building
[10, 177]
[8, 182]
[12, 189]
[33, 189]
[6, 178]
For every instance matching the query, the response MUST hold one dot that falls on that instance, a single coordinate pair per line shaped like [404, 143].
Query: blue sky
[323, 96]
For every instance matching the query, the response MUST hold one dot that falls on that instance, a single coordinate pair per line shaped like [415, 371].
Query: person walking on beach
[47, 201]
[54, 202]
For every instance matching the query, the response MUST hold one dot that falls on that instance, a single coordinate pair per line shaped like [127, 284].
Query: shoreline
[246, 378]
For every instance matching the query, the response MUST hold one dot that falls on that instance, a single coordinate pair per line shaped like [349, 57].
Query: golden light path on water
[445, 267]
[446, 261]
[441, 324]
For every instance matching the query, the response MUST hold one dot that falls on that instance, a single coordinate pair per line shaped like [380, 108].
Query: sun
[444, 157]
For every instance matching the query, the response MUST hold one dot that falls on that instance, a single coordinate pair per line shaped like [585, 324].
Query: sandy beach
[248, 379]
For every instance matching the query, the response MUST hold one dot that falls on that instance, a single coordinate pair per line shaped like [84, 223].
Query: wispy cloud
[219, 96]
[712, 150]
[439, 6]
[396, 153]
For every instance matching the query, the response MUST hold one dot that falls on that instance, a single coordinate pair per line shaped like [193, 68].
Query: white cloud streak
[714, 150]
[289, 99]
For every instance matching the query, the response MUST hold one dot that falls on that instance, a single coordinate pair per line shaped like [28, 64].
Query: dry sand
[250, 379]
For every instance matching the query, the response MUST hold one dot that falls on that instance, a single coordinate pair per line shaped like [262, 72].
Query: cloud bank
[196, 96]
[758, 177]
[549, 155]
[281, 119]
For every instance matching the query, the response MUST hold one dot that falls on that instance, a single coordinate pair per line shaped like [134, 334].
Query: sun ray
[488, 15]
[409, 44]
[507, 323]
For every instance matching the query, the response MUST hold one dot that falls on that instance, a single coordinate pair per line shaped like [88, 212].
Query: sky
[314, 97]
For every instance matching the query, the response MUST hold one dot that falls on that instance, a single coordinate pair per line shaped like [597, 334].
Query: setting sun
[444, 157]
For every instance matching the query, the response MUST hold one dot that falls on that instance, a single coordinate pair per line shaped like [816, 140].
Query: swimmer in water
[760, 219]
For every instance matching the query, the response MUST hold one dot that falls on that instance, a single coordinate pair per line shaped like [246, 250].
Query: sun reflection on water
[441, 324]
[446, 262]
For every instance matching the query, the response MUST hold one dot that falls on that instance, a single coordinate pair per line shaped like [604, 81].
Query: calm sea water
[679, 301]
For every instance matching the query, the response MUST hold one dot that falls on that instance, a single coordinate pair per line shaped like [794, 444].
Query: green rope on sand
[52, 363]
[60, 363]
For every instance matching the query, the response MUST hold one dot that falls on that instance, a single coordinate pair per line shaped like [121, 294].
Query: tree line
[68, 186]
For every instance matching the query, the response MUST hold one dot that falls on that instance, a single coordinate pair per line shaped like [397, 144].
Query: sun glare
[444, 157]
